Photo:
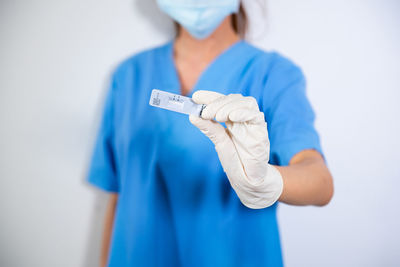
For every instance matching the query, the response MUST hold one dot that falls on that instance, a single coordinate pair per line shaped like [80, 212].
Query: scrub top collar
[172, 75]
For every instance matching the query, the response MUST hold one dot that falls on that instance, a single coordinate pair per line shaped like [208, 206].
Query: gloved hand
[242, 147]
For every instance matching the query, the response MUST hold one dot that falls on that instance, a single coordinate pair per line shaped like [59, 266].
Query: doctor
[198, 192]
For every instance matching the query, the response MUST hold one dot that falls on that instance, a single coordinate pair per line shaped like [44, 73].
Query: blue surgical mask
[199, 17]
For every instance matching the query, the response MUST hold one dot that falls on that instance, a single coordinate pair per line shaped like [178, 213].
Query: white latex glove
[242, 147]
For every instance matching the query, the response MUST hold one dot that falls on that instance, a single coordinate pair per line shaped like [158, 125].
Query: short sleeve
[288, 112]
[102, 169]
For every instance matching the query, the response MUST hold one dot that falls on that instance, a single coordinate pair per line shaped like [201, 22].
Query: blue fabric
[176, 207]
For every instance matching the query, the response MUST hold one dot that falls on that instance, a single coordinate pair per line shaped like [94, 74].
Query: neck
[222, 38]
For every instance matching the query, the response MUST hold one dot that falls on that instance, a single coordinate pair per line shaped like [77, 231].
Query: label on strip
[173, 102]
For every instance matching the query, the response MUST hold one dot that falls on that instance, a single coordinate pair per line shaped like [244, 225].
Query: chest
[164, 136]
[169, 145]
[189, 72]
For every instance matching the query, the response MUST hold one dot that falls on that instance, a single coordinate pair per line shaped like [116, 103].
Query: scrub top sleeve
[102, 170]
[289, 114]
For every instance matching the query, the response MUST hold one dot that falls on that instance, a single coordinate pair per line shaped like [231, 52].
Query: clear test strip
[174, 102]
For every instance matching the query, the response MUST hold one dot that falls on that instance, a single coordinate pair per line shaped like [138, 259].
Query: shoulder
[280, 78]
[274, 71]
[279, 72]
[274, 62]
[141, 60]
[283, 69]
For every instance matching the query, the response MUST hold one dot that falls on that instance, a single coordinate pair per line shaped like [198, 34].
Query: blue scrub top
[176, 206]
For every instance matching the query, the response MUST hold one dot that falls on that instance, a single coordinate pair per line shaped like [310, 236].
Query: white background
[55, 59]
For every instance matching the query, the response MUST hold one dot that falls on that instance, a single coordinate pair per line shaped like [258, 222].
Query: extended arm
[243, 150]
[307, 180]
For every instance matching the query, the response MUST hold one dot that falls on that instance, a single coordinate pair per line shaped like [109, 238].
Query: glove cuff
[264, 194]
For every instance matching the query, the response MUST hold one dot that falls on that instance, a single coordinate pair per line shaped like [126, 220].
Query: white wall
[350, 52]
[55, 58]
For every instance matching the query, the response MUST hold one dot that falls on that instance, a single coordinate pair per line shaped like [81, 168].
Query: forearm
[307, 180]
[108, 226]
